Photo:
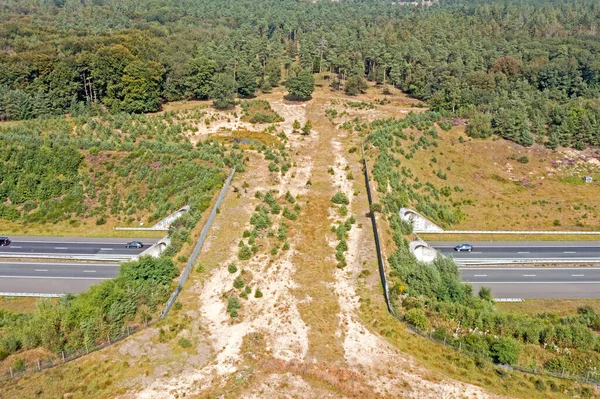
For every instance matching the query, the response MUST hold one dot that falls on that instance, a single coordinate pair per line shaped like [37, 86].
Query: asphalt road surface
[535, 282]
[56, 277]
[522, 251]
[53, 277]
[48, 246]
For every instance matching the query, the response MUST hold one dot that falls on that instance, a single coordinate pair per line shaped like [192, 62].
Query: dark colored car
[134, 244]
[463, 247]
[4, 241]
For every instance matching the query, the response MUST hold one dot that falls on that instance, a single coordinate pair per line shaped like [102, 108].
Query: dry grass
[506, 194]
[442, 361]
[315, 264]
[19, 304]
[142, 360]
[257, 111]
[561, 307]
[184, 105]
[509, 237]
[263, 137]
[86, 228]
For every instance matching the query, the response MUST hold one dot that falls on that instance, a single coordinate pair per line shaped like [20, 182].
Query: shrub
[238, 282]
[184, 343]
[19, 365]
[340, 199]
[342, 246]
[446, 125]
[260, 219]
[233, 305]
[178, 305]
[244, 253]
[290, 198]
[485, 293]
[506, 350]
[540, 385]
[289, 214]
[232, 268]
[523, 159]
[343, 210]
[258, 293]
[417, 318]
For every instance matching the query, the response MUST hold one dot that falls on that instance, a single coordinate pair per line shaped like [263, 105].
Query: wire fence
[198, 247]
[591, 377]
[380, 263]
[22, 367]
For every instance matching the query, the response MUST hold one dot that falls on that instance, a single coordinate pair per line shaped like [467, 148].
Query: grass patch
[259, 111]
[509, 237]
[498, 186]
[561, 307]
[247, 137]
[20, 304]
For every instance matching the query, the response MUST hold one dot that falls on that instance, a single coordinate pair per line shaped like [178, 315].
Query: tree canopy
[525, 62]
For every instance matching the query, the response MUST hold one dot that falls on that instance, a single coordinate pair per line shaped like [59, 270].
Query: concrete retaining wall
[422, 251]
[419, 222]
[158, 247]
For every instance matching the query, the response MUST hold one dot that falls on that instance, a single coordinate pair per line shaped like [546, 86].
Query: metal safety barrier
[509, 232]
[30, 294]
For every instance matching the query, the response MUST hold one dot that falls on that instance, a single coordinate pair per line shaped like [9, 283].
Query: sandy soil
[369, 367]
[306, 337]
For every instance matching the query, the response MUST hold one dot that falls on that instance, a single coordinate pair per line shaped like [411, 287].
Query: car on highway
[4, 241]
[134, 244]
[463, 247]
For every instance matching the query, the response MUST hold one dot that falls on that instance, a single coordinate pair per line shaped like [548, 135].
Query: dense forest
[527, 70]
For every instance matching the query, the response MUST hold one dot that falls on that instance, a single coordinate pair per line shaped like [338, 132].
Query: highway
[19, 273]
[71, 246]
[523, 281]
[53, 277]
[535, 282]
[523, 252]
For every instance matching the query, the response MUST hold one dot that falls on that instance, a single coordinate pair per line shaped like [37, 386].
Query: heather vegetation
[132, 168]
[433, 298]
